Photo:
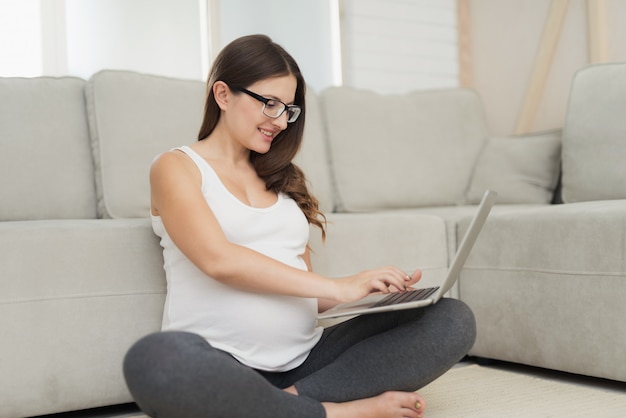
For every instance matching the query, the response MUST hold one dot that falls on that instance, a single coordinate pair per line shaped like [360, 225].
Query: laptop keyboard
[408, 296]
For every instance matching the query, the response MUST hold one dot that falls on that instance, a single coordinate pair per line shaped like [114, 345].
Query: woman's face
[249, 126]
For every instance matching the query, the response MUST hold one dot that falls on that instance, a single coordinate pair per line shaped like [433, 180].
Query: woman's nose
[281, 121]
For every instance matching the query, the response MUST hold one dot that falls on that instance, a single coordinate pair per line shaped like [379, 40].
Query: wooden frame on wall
[597, 52]
[597, 38]
[464, 42]
[541, 67]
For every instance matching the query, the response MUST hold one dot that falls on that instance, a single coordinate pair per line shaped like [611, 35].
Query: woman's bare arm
[178, 200]
[323, 304]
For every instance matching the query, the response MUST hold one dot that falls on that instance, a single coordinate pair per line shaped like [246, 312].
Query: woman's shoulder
[172, 163]
[167, 157]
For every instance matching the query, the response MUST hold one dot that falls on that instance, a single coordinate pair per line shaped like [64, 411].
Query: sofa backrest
[594, 135]
[313, 155]
[46, 169]
[132, 118]
[401, 151]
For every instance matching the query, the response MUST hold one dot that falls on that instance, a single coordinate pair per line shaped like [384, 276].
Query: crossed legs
[374, 361]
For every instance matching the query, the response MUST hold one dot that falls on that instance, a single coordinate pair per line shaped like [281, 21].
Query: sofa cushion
[132, 118]
[398, 151]
[46, 170]
[406, 239]
[313, 155]
[547, 287]
[594, 135]
[523, 169]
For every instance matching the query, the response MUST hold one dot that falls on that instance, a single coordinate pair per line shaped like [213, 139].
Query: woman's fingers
[385, 280]
[395, 279]
[407, 281]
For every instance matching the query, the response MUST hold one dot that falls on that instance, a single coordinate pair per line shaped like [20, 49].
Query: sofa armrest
[75, 295]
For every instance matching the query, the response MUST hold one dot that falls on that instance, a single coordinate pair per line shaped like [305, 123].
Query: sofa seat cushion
[547, 286]
[453, 215]
[402, 151]
[357, 242]
[75, 295]
[46, 169]
[132, 118]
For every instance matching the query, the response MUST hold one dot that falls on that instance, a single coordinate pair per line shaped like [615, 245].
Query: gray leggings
[178, 374]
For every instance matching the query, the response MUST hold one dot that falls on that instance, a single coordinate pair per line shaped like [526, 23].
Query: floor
[131, 410]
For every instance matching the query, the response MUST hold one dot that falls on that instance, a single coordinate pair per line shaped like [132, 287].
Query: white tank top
[263, 331]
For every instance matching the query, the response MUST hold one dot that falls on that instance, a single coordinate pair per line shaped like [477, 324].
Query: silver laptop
[417, 298]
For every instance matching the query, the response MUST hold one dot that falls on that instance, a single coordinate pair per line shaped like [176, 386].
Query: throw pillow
[522, 169]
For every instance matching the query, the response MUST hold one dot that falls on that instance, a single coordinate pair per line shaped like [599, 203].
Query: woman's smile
[269, 135]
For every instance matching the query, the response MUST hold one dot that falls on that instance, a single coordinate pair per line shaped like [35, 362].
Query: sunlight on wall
[20, 38]
[335, 39]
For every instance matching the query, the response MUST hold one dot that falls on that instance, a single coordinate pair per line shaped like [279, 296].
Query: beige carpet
[472, 391]
[475, 391]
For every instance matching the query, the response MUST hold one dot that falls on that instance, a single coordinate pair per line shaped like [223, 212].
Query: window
[81, 37]
[20, 38]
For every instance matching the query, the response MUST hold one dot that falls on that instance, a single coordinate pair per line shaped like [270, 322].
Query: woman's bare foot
[387, 405]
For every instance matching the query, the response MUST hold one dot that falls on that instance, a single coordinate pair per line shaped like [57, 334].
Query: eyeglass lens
[274, 108]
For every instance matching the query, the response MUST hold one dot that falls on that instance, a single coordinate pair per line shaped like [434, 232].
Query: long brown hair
[241, 63]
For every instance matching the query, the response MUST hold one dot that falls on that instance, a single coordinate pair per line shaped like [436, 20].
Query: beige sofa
[81, 273]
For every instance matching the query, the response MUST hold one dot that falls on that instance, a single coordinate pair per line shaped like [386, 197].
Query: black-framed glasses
[274, 108]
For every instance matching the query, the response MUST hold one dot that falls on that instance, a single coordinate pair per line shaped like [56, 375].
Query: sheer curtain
[20, 38]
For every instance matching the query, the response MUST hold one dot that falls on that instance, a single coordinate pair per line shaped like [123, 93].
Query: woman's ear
[221, 92]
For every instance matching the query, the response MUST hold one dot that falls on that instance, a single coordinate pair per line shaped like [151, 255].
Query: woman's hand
[385, 279]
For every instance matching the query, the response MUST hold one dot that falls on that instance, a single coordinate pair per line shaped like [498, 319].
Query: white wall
[395, 46]
[152, 36]
[302, 27]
